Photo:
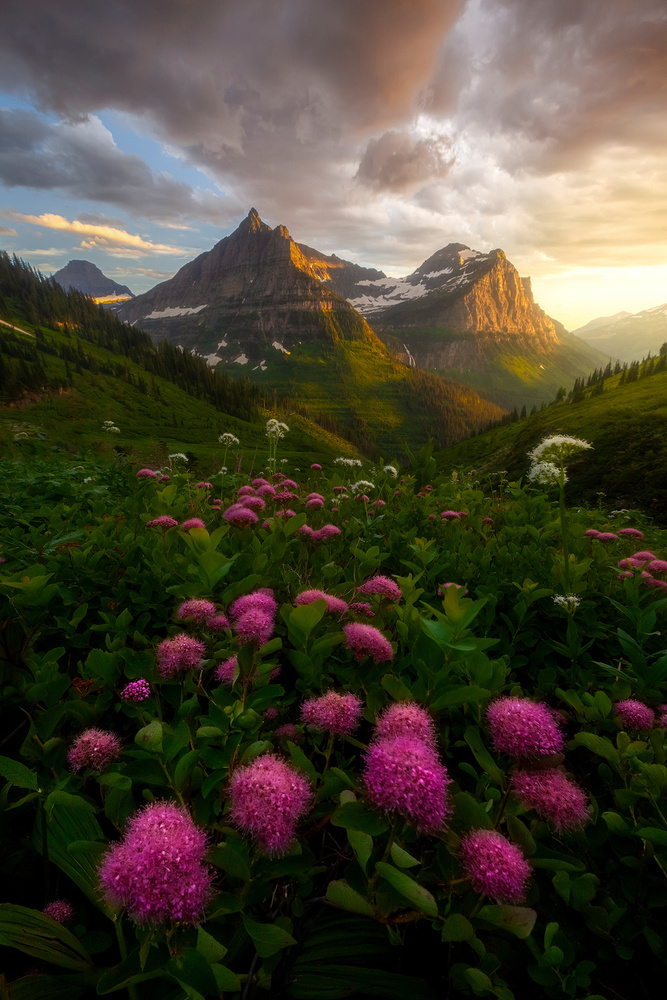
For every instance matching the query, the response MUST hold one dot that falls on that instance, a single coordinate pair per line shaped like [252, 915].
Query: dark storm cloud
[81, 160]
[401, 163]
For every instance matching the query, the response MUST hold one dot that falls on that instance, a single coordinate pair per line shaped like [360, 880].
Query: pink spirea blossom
[338, 714]
[326, 531]
[146, 474]
[631, 563]
[522, 728]
[442, 590]
[164, 521]
[203, 486]
[634, 715]
[192, 522]
[225, 671]
[592, 533]
[217, 623]
[245, 491]
[658, 566]
[405, 718]
[286, 496]
[661, 719]
[289, 484]
[254, 626]
[644, 556]
[59, 910]
[450, 515]
[94, 748]
[267, 799]
[553, 796]
[157, 871]
[239, 516]
[657, 584]
[366, 640]
[317, 467]
[259, 600]
[271, 713]
[335, 605]
[287, 732]
[198, 609]
[607, 536]
[361, 608]
[306, 531]
[259, 482]
[315, 496]
[404, 776]
[383, 586]
[495, 866]
[314, 504]
[180, 653]
[266, 490]
[136, 691]
[252, 503]
[631, 532]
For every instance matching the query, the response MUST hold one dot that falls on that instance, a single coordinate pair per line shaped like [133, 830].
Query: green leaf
[479, 981]
[207, 946]
[601, 746]
[267, 938]
[457, 928]
[518, 920]
[460, 696]
[41, 937]
[227, 981]
[413, 891]
[306, 616]
[397, 688]
[18, 774]
[362, 845]
[230, 861]
[342, 895]
[469, 813]
[473, 738]
[402, 858]
[150, 737]
[653, 835]
[357, 816]
[192, 970]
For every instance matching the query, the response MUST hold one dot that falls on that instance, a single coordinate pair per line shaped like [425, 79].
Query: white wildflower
[569, 601]
[362, 485]
[391, 470]
[558, 448]
[228, 440]
[546, 474]
[349, 462]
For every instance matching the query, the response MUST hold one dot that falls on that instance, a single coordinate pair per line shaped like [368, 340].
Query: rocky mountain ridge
[628, 336]
[86, 277]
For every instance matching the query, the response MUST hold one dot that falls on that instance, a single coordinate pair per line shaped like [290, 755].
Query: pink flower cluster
[136, 691]
[164, 522]
[198, 609]
[94, 748]
[267, 799]
[634, 715]
[319, 534]
[338, 714]
[157, 871]
[382, 586]
[494, 866]
[59, 910]
[253, 617]
[240, 516]
[226, 670]
[335, 605]
[191, 523]
[146, 474]
[365, 640]
[553, 796]
[403, 774]
[523, 729]
[178, 654]
[649, 564]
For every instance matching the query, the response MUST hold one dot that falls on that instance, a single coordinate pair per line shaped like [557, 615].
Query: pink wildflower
[658, 566]
[316, 467]
[405, 776]
[59, 910]
[631, 563]
[631, 532]
[268, 797]
[266, 491]
[445, 587]
[94, 748]
[164, 521]
[271, 713]
[405, 718]
[286, 496]
[592, 533]
[203, 486]
[553, 796]
[197, 609]
[315, 496]
[607, 536]
[192, 522]
[522, 728]
[661, 720]
[146, 474]
[225, 672]
[360, 608]
[287, 732]
[314, 504]
[338, 714]
[136, 691]
[335, 605]
[644, 556]
[180, 653]
[260, 482]
[245, 491]
[217, 623]
[449, 515]
[340, 489]
[495, 866]
[157, 871]
[365, 640]
[262, 600]
[326, 531]
[252, 503]
[164, 479]
[240, 517]
[383, 586]
[306, 531]
[634, 715]
[254, 626]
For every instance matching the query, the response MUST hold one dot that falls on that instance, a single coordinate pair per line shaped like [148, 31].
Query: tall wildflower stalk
[275, 430]
[548, 469]
[226, 440]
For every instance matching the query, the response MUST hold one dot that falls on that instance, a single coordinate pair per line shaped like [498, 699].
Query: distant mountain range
[87, 278]
[628, 336]
[261, 303]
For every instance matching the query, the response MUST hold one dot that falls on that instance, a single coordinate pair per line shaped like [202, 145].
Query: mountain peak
[86, 277]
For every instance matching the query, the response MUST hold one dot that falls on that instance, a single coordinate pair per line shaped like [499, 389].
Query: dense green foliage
[361, 905]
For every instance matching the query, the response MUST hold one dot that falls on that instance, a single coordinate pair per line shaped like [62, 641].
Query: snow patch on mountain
[173, 311]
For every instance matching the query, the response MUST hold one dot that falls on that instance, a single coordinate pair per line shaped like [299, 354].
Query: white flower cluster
[570, 601]
[391, 470]
[228, 440]
[275, 429]
[546, 474]
[349, 462]
[362, 485]
[109, 427]
[558, 448]
[178, 456]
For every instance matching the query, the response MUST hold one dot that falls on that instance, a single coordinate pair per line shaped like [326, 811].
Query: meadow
[327, 732]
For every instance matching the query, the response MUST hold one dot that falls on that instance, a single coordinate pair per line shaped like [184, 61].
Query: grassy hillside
[626, 422]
